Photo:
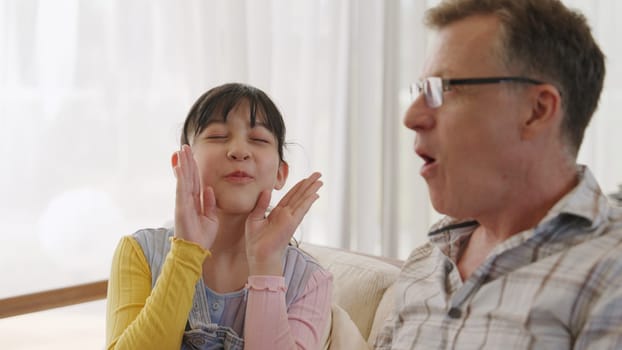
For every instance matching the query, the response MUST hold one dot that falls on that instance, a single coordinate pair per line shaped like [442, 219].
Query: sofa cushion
[386, 305]
[359, 282]
[343, 333]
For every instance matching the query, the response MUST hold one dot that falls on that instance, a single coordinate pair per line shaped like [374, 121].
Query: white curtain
[602, 143]
[93, 95]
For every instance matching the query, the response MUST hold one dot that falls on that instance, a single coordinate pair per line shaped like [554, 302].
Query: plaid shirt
[555, 286]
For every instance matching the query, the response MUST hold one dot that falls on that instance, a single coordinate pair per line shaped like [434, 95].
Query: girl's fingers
[299, 209]
[188, 186]
[179, 177]
[303, 194]
[194, 171]
[209, 202]
[181, 163]
[302, 209]
[188, 165]
[311, 190]
[299, 188]
[181, 174]
[263, 201]
[194, 186]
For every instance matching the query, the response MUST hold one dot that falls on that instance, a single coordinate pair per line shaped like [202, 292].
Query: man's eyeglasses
[433, 87]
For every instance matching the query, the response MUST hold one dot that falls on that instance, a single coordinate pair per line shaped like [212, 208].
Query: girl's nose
[238, 151]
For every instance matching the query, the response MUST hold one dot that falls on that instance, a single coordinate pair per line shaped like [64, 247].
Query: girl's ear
[175, 159]
[281, 175]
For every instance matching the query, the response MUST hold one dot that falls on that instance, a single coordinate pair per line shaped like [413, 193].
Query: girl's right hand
[195, 208]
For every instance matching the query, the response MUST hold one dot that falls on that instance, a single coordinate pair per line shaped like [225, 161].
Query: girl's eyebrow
[222, 122]
[215, 121]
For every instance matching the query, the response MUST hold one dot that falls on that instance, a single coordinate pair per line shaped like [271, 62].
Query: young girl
[225, 277]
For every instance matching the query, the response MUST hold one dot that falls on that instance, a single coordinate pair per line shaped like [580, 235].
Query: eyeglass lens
[432, 89]
[434, 92]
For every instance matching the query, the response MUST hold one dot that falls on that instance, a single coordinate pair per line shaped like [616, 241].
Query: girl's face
[238, 161]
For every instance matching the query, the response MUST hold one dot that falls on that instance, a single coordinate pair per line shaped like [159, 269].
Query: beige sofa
[362, 295]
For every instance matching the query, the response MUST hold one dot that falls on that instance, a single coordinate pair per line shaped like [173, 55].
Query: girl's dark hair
[217, 102]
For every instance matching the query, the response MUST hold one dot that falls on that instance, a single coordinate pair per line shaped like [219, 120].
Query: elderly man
[530, 253]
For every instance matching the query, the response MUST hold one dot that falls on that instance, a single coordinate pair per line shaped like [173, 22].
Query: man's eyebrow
[441, 72]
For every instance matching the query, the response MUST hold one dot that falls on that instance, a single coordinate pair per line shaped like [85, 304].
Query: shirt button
[454, 312]
[215, 306]
[448, 267]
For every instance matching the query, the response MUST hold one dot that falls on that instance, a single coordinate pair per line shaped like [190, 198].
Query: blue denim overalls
[201, 333]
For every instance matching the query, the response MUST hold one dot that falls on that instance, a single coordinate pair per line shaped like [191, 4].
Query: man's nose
[419, 116]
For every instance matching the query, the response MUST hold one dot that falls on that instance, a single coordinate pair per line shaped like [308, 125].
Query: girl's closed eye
[262, 136]
[215, 132]
[260, 139]
[216, 136]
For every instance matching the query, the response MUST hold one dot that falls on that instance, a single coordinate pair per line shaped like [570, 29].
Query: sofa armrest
[359, 280]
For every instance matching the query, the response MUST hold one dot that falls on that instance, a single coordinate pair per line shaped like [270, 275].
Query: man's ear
[546, 111]
[281, 175]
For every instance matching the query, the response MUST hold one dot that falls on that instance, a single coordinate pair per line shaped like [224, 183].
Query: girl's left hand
[267, 237]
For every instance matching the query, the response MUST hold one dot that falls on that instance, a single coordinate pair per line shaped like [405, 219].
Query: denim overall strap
[155, 244]
[297, 269]
[199, 314]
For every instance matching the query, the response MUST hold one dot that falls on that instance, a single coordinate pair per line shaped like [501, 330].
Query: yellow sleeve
[140, 318]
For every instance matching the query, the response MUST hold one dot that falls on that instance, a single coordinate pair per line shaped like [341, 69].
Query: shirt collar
[586, 200]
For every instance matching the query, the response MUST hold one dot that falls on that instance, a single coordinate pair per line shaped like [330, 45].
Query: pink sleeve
[269, 325]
